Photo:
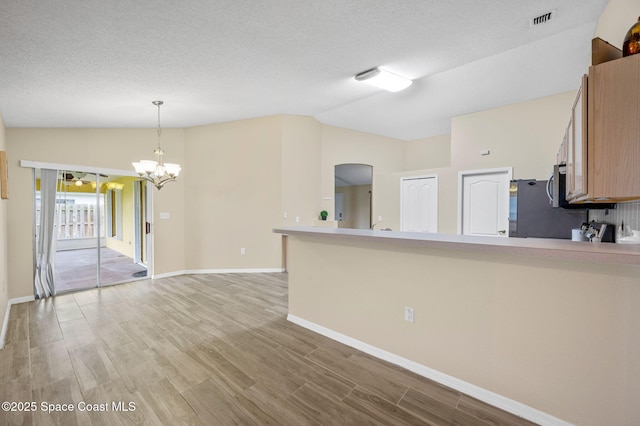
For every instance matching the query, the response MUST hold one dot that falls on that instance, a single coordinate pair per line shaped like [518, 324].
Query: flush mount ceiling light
[157, 172]
[384, 80]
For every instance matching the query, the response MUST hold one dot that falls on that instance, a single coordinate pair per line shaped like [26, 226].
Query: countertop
[628, 254]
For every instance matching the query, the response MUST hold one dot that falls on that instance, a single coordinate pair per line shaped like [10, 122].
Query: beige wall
[425, 156]
[238, 181]
[257, 170]
[102, 148]
[301, 170]
[525, 136]
[343, 146]
[616, 19]
[4, 241]
[560, 336]
[429, 153]
[233, 194]
[386, 206]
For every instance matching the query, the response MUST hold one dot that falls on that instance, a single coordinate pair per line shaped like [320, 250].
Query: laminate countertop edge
[625, 254]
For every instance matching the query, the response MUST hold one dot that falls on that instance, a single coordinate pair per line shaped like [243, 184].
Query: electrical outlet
[297, 219]
[408, 314]
[379, 218]
[243, 251]
[284, 215]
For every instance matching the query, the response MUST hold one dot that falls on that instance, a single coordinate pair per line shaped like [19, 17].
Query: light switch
[165, 215]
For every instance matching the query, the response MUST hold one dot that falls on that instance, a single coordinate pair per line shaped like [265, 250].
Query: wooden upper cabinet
[576, 141]
[612, 132]
[571, 176]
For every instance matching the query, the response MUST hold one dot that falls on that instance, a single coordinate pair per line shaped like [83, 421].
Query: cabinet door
[614, 129]
[561, 156]
[579, 142]
[568, 136]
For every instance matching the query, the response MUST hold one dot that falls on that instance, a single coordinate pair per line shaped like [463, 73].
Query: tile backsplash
[627, 213]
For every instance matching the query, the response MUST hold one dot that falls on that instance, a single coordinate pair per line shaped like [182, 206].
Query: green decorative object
[324, 214]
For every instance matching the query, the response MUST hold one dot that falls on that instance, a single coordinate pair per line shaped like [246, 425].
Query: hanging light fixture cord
[158, 151]
[158, 103]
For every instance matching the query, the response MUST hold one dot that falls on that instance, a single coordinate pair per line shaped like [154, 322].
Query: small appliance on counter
[599, 232]
[578, 234]
[531, 214]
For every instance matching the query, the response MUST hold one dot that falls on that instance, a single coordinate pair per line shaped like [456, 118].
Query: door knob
[502, 231]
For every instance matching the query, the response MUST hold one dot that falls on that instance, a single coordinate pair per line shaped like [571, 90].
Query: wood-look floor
[211, 350]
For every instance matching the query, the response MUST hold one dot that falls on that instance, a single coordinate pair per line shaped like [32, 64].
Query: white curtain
[46, 236]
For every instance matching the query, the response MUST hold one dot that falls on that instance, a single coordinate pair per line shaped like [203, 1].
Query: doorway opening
[353, 195]
[96, 218]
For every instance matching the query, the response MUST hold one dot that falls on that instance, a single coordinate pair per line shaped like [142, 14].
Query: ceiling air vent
[541, 19]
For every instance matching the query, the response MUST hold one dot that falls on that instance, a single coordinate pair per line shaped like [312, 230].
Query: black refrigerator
[532, 215]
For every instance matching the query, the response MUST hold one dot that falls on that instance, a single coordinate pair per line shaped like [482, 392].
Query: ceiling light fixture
[384, 80]
[157, 172]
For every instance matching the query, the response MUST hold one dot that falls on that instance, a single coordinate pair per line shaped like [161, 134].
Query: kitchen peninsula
[546, 329]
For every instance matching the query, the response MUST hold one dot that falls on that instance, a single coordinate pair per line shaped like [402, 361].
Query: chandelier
[157, 172]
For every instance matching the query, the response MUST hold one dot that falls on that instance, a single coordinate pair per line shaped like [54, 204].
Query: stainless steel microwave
[557, 192]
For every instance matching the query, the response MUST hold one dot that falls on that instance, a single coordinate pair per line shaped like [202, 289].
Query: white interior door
[484, 204]
[419, 204]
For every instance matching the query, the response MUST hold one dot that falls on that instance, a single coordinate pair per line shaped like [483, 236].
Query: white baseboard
[491, 398]
[218, 271]
[167, 275]
[234, 271]
[5, 323]
[23, 299]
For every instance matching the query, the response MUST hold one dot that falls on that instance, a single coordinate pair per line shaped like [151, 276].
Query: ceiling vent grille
[541, 19]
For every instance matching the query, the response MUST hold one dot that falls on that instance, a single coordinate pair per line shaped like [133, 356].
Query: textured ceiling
[100, 63]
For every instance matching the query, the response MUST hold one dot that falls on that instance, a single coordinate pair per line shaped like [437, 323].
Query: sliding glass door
[118, 262]
[95, 222]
